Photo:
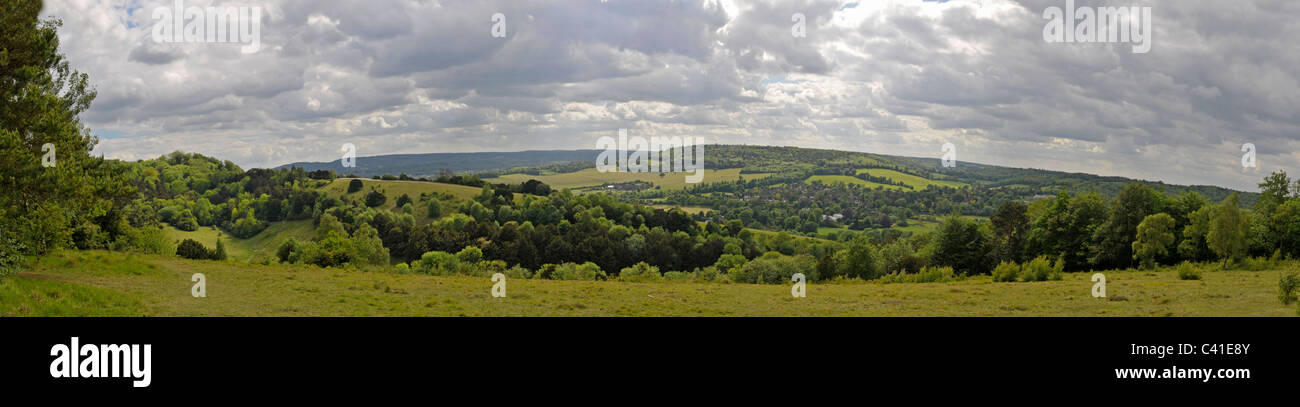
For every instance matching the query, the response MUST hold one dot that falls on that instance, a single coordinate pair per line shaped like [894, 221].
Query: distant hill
[422, 165]
[770, 159]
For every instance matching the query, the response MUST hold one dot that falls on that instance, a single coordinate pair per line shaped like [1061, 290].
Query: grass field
[106, 283]
[394, 189]
[845, 179]
[592, 177]
[909, 179]
[249, 250]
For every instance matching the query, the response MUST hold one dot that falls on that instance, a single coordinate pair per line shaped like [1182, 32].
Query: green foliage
[375, 198]
[1040, 269]
[640, 273]
[1188, 271]
[1154, 235]
[961, 245]
[1287, 287]
[775, 268]
[192, 249]
[926, 275]
[1005, 272]
[470, 255]
[1113, 240]
[1227, 232]
[355, 185]
[288, 251]
[437, 263]
[435, 208]
[572, 271]
[220, 252]
[728, 262]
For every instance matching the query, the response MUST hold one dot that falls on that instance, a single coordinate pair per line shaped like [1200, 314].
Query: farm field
[909, 179]
[101, 283]
[591, 177]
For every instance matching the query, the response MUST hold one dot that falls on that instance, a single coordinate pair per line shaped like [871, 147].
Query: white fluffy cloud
[893, 77]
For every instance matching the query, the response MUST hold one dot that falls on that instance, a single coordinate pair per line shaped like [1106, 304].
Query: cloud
[893, 77]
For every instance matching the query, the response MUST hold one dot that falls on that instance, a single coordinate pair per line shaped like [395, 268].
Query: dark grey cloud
[895, 77]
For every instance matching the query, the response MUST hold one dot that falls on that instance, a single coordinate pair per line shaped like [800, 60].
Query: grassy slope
[253, 249]
[591, 177]
[909, 179]
[104, 283]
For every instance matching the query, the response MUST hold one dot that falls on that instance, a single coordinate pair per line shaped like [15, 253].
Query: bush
[354, 185]
[1187, 271]
[1040, 269]
[403, 200]
[640, 273]
[1287, 287]
[152, 240]
[571, 271]
[437, 263]
[375, 198]
[288, 251]
[403, 268]
[775, 268]
[470, 255]
[192, 249]
[926, 275]
[435, 208]
[679, 276]
[1006, 272]
[518, 272]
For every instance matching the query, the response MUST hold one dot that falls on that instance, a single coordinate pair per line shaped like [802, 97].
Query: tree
[961, 245]
[1010, 227]
[1154, 235]
[858, 260]
[435, 208]
[375, 198]
[50, 181]
[355, 185]
[1113, 241]
[1227, 235]
[1193, 246]
[220, 252]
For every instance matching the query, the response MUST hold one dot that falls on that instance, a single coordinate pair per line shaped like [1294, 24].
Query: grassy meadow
[591, 177]
[99, 283]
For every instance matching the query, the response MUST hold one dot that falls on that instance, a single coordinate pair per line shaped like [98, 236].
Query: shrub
[402, 268]
[354, 185]
[470, 255]
[1187, 271]
[775, 268]
[679, 276]
[438, 263]
[1039, 269]
[518, 272]
[153, 240]
[926, 275]
[375, 198]
[1006, 272]
[1287, 287]
[192, 249]
[485, 268]
[572, 271]
[288, 250]
[435, 208]
[640, 273]
[220, 252]
[403, 200]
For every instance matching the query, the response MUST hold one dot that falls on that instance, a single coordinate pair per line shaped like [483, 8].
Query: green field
[845, 179]
[591, 177]
[913, 181]
[394, 189]
[909, 179]
[253, 249]
[107, 283]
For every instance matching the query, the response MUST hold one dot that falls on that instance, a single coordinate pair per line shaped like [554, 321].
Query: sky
[892, 77]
